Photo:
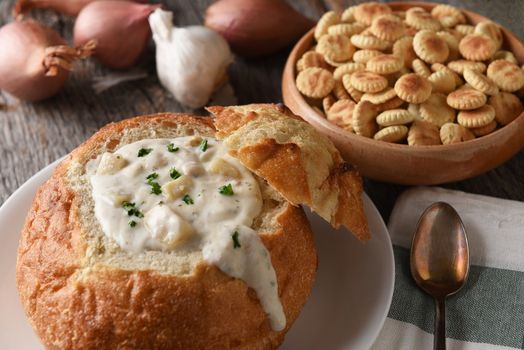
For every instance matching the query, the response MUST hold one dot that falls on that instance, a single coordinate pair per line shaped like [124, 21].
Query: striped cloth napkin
[488, 313]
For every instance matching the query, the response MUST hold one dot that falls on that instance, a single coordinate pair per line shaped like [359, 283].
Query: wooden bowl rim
[289, 74]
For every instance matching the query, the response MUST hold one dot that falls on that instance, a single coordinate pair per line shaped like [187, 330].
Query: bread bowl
[85, 287]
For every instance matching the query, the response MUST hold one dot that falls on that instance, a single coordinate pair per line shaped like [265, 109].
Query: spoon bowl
[440, 259]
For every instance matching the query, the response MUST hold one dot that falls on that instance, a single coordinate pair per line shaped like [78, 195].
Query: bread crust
[262, 137]
[109, 308]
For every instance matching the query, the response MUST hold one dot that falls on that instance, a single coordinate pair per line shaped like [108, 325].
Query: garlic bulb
[191, 62]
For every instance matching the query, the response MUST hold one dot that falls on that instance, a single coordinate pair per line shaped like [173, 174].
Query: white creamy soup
[161, 194]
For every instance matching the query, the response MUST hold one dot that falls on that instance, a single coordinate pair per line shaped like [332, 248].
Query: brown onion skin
[120, 28]
[67, 7]
[256, 27]
[22, 72]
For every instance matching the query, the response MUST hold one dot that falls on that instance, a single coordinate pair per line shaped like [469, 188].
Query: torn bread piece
[268, 138]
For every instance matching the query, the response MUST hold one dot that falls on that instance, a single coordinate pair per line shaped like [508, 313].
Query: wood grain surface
[34, 135]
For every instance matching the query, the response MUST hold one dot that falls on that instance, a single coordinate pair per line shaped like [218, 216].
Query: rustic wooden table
[34, 135]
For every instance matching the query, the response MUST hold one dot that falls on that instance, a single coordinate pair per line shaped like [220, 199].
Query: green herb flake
[151, 176]
[171, 148]
[188, 200]
[174, 174]
[132, 210]
[128, 206]
[203, 145]
[132, 223]
[236, 241]
[155, 187]
[142, 152]
[226, 190]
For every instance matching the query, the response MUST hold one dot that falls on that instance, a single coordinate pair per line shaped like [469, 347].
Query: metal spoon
[440, 260]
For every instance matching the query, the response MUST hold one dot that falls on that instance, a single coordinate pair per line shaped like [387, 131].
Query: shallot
[35, 61]
[256, 27]
[120, 29]
[67, 7]
[191, 62]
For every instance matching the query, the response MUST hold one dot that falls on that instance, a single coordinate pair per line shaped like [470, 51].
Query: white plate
[348, 304]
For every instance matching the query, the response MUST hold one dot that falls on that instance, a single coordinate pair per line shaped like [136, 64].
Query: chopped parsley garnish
[226, 190]
[132, 223]
[174, 174]
[128, 206]
[132, 210]
[187, 199]
[152, 176]
[155, 186]
[203, 145]
[236, 241]
[171, 148]
[144, 151]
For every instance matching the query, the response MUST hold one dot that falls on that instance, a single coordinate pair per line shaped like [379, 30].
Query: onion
[35, 61]
[67, 7]
[256, 27]
[120, 28]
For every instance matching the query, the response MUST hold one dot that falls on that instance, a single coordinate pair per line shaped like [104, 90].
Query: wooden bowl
[412, 165]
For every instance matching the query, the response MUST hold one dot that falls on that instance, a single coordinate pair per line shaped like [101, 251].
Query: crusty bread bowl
[81, 290]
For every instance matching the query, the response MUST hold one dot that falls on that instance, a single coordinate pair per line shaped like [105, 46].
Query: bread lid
[300, 163]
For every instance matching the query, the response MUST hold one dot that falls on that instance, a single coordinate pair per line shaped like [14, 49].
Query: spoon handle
[439, 339]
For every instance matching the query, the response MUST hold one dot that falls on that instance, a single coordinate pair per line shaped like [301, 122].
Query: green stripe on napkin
[490, 294]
